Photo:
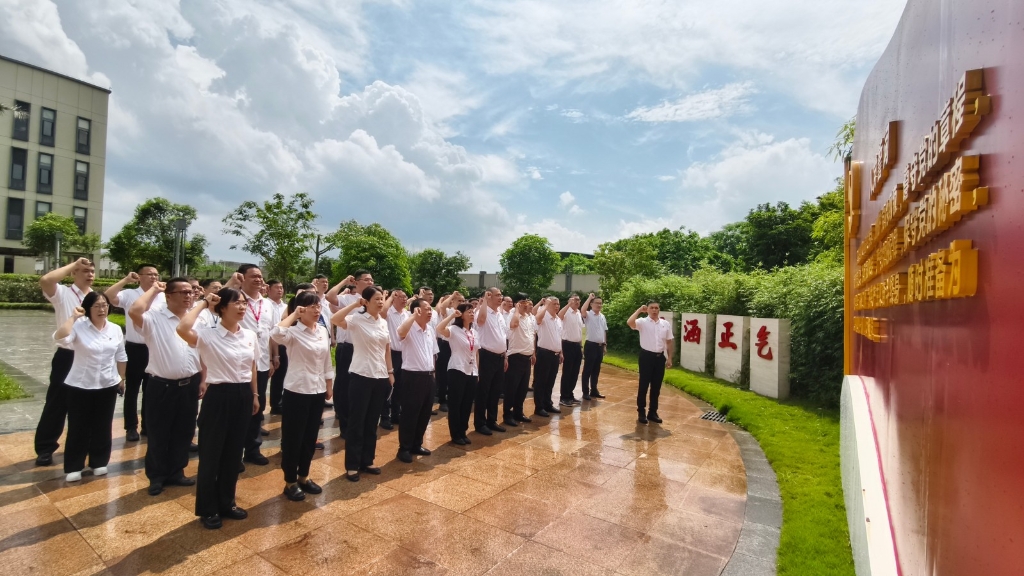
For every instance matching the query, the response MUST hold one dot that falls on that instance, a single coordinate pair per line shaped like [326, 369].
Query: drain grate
[713, 416]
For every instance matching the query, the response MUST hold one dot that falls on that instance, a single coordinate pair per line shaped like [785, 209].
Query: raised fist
[132, 277]
[300, 310]
[350, 279]
[417, 313]
[212, 300]
[78, 312]
[238, 278]
[160, 286]
[457, 314]
[590, 296]
[643, 309]
[82, 262]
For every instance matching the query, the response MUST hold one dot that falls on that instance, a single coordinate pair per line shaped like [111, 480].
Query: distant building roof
[66, 77]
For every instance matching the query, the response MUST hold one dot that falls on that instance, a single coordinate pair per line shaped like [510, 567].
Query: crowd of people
[209, 355]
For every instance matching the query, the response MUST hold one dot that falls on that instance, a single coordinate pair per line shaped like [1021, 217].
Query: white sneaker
[101, 471]
[74, 477]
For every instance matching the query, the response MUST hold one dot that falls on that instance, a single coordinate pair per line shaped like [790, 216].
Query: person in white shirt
[173, 385]
[396, 314]
[493, 333]
[596, 345]
[572, 350]
[521, 358]
[260, 317]
[419, 346]
[146, 275]
[457, 327]
[307, 387]
[275, 293]
[94, 381]
[656, 347]
[444, 353]
[549, 356]
[506, 308]
[371, 378]
[341, 295]
[64, 299]
[207, 318]
[230, 400]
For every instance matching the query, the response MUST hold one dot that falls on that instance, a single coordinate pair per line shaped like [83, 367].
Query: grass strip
[801, 441]
[9, 388]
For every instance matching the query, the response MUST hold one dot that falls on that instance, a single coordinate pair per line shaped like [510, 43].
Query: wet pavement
[589, 491]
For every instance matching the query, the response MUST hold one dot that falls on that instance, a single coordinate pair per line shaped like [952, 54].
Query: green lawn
[801, 441]
[118, 319]
[9, 389]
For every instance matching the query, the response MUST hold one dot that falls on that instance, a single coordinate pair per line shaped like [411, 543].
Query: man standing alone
[656, 346]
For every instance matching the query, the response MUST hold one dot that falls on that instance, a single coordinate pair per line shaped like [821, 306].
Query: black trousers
[300, 425]
[461, 391]
[417, 399]
[223, 421]
[593, 355]
[392, 409]
[544, 378]
[55, 408]
[277, 379]
[366, 398]
[489, 388]
[172, 408]
[90, 416]
[572, 354]
[342, 361]
[253, 439]
[444, 355]
[517, 384]
[135, 380]
[652, 372]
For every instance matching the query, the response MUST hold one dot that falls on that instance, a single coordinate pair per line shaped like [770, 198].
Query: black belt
[180, 382]
[130, 343]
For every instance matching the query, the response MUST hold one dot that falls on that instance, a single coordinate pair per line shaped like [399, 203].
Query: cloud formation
[707, 105]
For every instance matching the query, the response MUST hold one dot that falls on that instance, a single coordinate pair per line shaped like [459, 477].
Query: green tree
[280, 233]
[827, 232]
[434, 268]
[375, 249]
[777, 236]
[621, 260]
[529, 265]
[149, 237]
[842, 147]
[577, 264]
[41, 237]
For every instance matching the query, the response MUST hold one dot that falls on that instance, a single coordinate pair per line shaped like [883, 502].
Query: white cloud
[575, 210]
[534, 173]
[443, 93]
[574, 115]
[565, 199]
[723, 102]
[666, 178]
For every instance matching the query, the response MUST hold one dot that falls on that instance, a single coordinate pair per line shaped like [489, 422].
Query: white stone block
[769, 357]
[732, 343]
[696, 340]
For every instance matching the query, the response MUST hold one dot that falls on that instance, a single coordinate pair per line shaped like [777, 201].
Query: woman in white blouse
[370, 378]
[462, 369]
[95, 379]
[307, 385]
[229, 353]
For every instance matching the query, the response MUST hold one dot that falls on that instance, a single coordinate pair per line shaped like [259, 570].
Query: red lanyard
[74, 290]
[255, 314]
[472, 340]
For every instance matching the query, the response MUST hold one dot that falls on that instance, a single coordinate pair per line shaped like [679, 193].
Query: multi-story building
[52, 156]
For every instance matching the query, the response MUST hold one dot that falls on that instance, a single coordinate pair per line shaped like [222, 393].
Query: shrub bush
[811, 296]
[25, 287]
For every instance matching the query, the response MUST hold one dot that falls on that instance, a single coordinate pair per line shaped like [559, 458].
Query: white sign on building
[732, 343]
[769, 357]
[696, 336]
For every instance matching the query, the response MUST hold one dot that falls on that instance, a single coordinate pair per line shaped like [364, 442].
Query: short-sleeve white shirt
[521, 338]
[493, 334]
[597, 328]
[572, 326]
[309, 358]
[65, 299]
[464, 348]
[549, 332]
[418, 349]
[261, 317]
[97, 352]
[341, 334]
[228, 356]
[170, 356]
[369, 341]
[395, 319]
[125, 299]
[654, 336]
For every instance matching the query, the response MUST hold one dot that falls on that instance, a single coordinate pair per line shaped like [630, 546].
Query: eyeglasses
[100, 306]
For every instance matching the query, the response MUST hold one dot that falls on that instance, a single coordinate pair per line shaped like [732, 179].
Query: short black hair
[205, 282]
[649, 302]
[416, 303]
[303, 286]
[422, 288]
[519, 297]
[271, 282]
[177, 280]
[245, 268]
[320, 277]
[360, 272]
[227, 296]
[146, 265]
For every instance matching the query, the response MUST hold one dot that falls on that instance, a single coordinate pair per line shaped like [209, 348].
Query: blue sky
[464, 125]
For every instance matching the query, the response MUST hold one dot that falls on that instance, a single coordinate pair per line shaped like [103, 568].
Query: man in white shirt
[493, 335]
[146, 275]
[521, 357]
[64, 299]
[549, 356]
[173, 387]
[506, 308]
[419, 345]
[275, 293]
[260, 317]
[572, 350]
[396, 315]
[596, 345]
[344, 293]
[656, 347]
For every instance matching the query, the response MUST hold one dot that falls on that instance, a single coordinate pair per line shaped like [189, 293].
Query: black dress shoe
[654, 418]
[211, 522]
[554, 410]
[586, 397]
[461, 441]
[44, 459]
[510, 421]
[181, 481]
[319, 446]
[370, 470]
[257, 459]
[294, 493]
[264, 432]
[310, 487]
[193, 447]
[276, 412]
[421, 451]
[597, 395]
[235, 513]
[642, 419]
[522, 418]
[468, 441]
[484, 430]
[386, 424]
[352, 477]
[155, 488]
[405, 456]
[433, 412]
[542, 413]
[496, 427]
[131, 436]
[443, 407]
[576, 401]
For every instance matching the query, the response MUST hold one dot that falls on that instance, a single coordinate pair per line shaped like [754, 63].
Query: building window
[21, 116]
[81, 181]
[15, 218]
[8, 264]
[42, 209]
[45, 184]
[19, 163]
[48, 127]
[79, 214]
[82, 141]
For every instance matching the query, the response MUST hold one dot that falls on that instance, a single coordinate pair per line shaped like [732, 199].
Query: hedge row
[810, 295]
[25, 287]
